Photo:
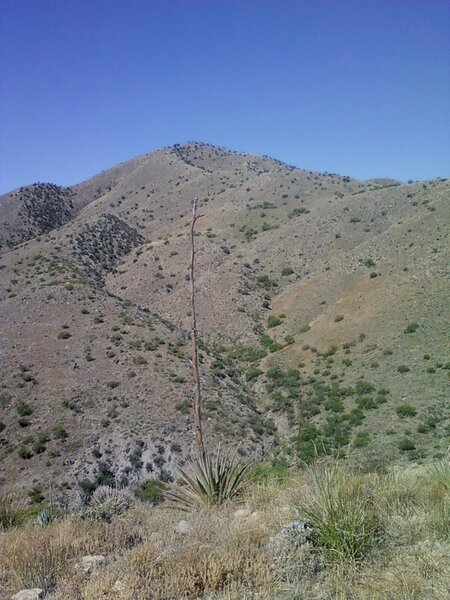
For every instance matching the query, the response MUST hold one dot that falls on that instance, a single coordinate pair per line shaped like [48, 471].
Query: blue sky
[355, 87]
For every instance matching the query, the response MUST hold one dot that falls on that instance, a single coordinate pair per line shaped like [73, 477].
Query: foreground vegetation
[368, 536]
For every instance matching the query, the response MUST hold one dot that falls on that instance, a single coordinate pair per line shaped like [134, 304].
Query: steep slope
[315, 292]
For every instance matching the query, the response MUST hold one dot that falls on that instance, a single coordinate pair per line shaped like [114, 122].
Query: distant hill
[323, 314]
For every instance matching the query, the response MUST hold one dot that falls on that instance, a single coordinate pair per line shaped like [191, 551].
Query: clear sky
[358, 87]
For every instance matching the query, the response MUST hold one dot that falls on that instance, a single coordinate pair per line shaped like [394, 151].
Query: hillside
[323, 315]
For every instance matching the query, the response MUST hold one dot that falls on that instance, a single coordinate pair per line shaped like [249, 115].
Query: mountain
[322, 311]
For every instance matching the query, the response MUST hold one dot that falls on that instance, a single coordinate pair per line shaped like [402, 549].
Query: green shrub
[24, 409]
[345, 523]
[406, 445]
[363, 387]
[59, 432]
[287, 271]
[184, 406]
[362, 439]
[151, 491]
[64, 335]
[35, 494]
[406, 410]
[338, 318]
[411, 328]
[24, 452]
[273, 321]
[12, 512]
[403, 369]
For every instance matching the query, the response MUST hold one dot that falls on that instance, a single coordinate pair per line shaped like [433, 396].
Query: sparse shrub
[364, 387]
[273, 321]
[151, 491]
[362, 439]
[35, 494]
[113, 384]
[24, 452]
[287, 271]
[411, 328]
[406, 410]
[184, 407]
[24, 409]
[12, 512]
[406, 445]
[59, 432]
[403, 369]
[338, 318]
[64, 335]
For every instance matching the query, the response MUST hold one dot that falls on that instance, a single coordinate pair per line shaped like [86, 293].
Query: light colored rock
[90, 562]
[183, 527]
[31, 594]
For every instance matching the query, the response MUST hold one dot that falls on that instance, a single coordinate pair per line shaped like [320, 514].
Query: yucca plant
[209, 481]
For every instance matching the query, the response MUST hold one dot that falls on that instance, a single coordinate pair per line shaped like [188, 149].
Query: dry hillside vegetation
[369, 537]
[323, 318]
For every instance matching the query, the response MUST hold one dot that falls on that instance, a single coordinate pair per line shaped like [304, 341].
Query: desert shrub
[12, 512]
[24, 452]
[287, 271]
[151, 491]
[405, 410]
[253, 373]
[403, 369]
[338, 318]
[273, 321]
[406, 445]
[362, 439]
[184, 406]
[363, 387]
[345, 522]
[36, 495]
[24, 409]
[59, 432]
[411, 328]
[64, 335]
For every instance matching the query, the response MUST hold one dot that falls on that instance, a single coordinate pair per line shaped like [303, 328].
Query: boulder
[30, 594]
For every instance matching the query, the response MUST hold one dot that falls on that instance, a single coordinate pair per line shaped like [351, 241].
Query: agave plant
[209, 481]
[46, 516]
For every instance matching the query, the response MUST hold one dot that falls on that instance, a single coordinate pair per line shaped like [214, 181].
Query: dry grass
[223, 553]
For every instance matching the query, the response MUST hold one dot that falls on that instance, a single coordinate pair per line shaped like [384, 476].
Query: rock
[90, 562]
[289, 539]
[183, 527]
[31, 594]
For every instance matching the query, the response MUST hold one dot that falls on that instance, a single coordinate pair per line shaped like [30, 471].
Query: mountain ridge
[315, 273]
